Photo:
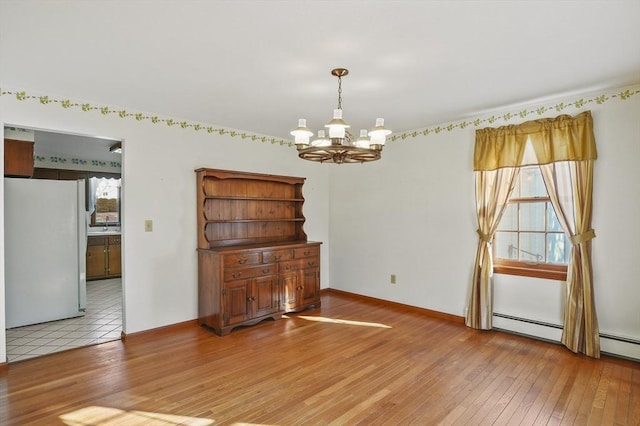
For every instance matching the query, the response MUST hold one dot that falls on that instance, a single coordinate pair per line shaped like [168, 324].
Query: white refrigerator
[45, 249]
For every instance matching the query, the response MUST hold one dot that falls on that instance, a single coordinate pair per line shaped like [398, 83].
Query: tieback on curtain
[582, 238]
[483, 237]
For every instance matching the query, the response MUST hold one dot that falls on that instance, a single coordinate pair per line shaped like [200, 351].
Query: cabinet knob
[307, 253]
[266, 271]
[311, 263]
[242, 261]
[236, 274]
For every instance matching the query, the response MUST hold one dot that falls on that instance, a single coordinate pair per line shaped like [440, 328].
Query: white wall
[412, 214]
[160, 268]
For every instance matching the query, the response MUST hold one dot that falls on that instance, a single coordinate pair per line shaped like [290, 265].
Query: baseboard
[424, 311]
[190, 323]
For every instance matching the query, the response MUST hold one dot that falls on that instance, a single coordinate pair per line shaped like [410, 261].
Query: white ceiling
[74, 146]
[259, 65]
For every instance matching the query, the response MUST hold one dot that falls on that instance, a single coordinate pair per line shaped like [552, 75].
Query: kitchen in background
[62, 241]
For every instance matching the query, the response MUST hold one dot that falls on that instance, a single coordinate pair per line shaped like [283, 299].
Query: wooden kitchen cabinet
[103, 257]
[254, 260]
[114, 256]
[18, 158]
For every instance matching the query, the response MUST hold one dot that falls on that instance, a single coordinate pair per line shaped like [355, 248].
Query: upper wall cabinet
[18, 158]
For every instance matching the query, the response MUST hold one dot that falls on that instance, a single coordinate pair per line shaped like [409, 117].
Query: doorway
[64, 156]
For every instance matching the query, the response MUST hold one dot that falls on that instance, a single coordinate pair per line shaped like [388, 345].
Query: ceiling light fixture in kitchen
[116, 148]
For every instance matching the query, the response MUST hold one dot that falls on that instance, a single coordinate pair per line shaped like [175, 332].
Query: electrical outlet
[148, 225]
[393, 278]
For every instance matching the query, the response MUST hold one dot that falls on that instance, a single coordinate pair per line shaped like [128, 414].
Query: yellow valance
[563, 138]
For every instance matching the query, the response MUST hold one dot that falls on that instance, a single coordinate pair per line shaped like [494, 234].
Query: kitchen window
[104, 200]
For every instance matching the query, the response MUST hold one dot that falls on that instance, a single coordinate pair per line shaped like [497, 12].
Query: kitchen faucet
[106, 219]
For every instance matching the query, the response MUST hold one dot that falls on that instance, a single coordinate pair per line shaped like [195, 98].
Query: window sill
[551, 272]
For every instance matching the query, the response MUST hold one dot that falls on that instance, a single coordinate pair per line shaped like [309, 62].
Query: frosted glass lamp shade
[301, 133]
[379, 133]
[337, 126]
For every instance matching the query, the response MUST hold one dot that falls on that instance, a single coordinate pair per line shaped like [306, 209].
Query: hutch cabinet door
[266, 296]
[236, 301]
[291, 291]
[310, 285]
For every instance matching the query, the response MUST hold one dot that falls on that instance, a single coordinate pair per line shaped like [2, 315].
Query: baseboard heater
[559, 327]
[614, 348]
[529, 321]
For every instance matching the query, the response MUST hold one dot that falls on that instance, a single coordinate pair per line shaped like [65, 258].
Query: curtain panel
[560, 140]
[492, 194]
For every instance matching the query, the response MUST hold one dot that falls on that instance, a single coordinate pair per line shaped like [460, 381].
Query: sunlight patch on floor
[104, 416]
[341, 321]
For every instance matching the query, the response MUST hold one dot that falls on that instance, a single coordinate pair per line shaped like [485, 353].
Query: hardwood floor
[353, 361]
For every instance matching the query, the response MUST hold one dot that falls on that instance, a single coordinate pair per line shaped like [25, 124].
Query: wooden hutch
[254, 260]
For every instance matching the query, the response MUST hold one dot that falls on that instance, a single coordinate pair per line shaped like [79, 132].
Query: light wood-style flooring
[354, 361]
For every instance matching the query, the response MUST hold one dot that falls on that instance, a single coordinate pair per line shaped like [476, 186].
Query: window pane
[509, 220]
[505, 245]
[516, 189]
[532, 216]
[558, 248]
[531, 247]
[552, 220]
[107, 200]
[531, 182]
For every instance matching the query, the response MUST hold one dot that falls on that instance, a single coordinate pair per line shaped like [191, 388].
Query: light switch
[148, 225]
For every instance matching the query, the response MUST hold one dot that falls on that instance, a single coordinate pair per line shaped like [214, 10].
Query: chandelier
[339, 146]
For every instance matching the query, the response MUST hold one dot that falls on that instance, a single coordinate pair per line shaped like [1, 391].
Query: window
[104, 198]
[529, 240]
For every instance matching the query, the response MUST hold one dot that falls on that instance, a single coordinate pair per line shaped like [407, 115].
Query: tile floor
[101, 323]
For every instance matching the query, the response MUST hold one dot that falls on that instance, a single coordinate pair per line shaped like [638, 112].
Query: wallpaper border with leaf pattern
[199, 127]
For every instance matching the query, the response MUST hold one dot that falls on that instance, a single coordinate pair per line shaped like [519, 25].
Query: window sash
[514, 264]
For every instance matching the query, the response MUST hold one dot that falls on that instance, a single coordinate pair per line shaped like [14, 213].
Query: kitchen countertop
[101, 233]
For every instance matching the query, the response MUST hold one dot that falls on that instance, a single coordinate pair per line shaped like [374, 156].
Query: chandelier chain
[339, 92]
